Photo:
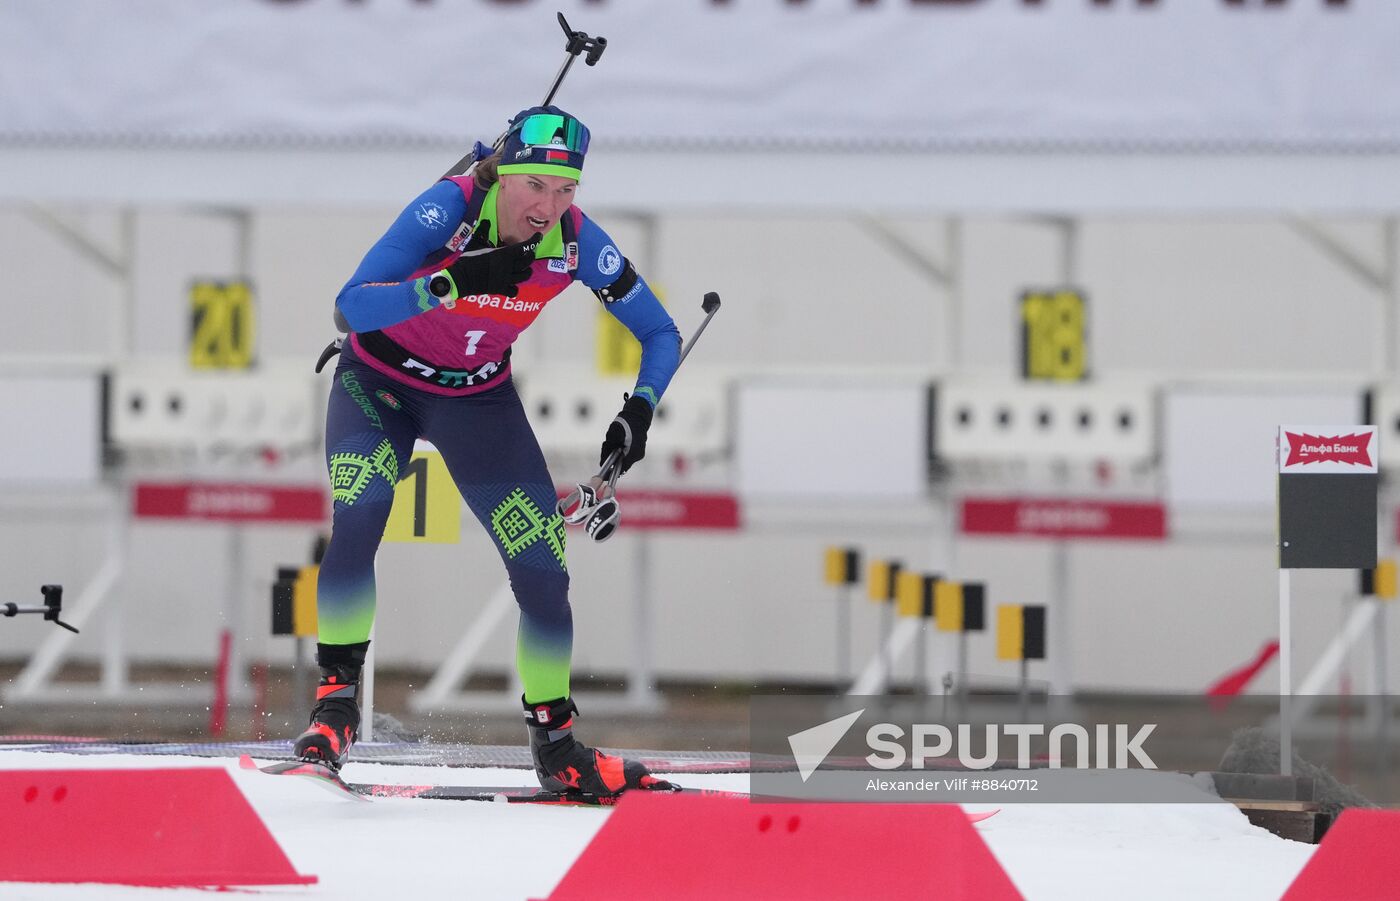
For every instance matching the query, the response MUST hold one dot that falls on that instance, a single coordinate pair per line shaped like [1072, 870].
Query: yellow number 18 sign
[1054, 339]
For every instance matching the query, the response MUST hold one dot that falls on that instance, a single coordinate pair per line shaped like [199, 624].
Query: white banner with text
[787, 74]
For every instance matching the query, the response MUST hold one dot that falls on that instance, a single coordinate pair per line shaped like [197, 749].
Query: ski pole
[594, 503]
[577, 43]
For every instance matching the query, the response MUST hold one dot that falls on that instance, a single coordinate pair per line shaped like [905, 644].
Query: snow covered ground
[394, 848]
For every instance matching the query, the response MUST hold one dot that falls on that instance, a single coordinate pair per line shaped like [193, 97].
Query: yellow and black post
[842, 570]
[882, 579]
[1021, 637]
[915, 599]
[1380, 582]
[960, 608]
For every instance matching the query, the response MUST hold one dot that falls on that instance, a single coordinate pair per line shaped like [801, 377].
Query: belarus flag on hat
[556, 156]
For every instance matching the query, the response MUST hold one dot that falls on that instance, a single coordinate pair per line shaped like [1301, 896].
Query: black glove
[491, 270]
[629, 432]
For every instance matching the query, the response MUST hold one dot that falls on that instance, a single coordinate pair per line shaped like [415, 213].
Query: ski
[318, 773]
[508, 794]
[502, 794]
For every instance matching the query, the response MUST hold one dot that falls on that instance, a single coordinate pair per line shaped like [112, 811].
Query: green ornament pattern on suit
[352, 473]
[518, 523]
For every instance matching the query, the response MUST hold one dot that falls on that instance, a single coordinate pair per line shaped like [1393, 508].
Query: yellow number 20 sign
[427, 508]
[222, 325]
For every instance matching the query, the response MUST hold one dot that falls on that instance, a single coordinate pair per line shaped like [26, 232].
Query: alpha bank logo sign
[1102, 746]
[1327, 450]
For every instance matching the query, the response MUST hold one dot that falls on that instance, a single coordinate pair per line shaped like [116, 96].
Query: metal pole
[1061, 670]
[1024, 692]
[843, 638]
[886, 661]
[367, 693]
[123, 340]
[928, 638]
[921, 659]
[1285, 677]
[962, 672]
[301, 680]
[641, 690]
[1380, 700]
[115, 670]
[367, 678]
[233, 614]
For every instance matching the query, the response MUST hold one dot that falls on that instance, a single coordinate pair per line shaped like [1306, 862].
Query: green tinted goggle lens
[551, 130]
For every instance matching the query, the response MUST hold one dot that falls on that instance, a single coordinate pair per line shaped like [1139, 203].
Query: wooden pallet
[1299, 821]
[1283, 805]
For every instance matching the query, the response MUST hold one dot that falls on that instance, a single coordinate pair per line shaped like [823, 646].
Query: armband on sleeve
[622, 288]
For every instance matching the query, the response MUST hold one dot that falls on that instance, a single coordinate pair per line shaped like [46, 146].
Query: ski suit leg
[370, 429]
[495, 460]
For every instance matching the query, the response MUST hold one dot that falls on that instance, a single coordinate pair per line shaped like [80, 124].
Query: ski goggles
[545, 143]
[554, 130]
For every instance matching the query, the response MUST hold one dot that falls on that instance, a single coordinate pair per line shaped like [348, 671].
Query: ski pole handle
[711, 306]
[602, 522]
[578, 504]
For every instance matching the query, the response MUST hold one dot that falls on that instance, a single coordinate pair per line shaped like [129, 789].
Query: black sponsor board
[1327, 520]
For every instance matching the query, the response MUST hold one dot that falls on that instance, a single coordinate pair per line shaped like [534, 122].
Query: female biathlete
[432, 312]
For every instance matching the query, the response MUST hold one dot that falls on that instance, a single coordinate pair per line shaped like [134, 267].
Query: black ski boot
[563, 764]
[335, 719]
